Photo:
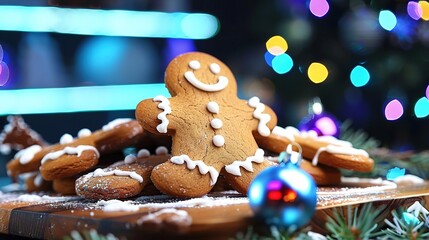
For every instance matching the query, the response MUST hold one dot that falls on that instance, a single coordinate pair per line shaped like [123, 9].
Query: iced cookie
[327, 150]
[211, 128]
[123, 180]
[113, 137]
[17, 135]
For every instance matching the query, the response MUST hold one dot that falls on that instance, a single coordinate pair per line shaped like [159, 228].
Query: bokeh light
[421, 109]
[395, 172]
[4, 73]
[359, 76]
[387, 20]
[394, 110]
[276, 45]
[282, 63]
[319, 8]
[269, 58]
[414, 10]
[317, 72]
[425, 10]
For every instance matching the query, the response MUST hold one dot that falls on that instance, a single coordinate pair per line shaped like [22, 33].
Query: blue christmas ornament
[284, 195]
[323, 123]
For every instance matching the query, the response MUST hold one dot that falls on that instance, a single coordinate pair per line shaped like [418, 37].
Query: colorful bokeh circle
[393, 110]
[317, 72]
[359, 76]
[319, 8]
[387, 20]
[414, 10]
[425, 10]
[421, 108]
[282, 63]
[276, 45]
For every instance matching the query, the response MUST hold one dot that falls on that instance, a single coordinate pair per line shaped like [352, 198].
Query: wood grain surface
[56, 217]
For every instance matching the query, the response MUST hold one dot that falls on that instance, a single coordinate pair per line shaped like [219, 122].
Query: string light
[77, 99]
[359, 76]
[317, 72]
[393, 110]
[108, 22]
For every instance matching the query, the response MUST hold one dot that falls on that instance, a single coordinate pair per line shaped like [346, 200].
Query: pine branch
[401, 228]
[356, 224]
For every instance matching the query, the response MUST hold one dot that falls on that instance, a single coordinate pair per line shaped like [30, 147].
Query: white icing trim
[66, 139]
[220, 85]
[264, 118]
[202, 167]
[164, 105]
[27, 154]
[129, 159]
[213, 107]
[111, 125]
[195, 64]
[84, 132]
[218, 140]
[161, 150]
[216, 123]
[234, 168]
[101, 173]
[282, 132]
[214, 68]
[338, 150]
[143, 153]
[69, 151]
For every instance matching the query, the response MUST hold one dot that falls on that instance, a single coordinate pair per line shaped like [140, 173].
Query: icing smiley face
[215, 69]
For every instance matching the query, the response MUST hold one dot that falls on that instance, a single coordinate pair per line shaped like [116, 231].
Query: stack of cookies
[218, 141]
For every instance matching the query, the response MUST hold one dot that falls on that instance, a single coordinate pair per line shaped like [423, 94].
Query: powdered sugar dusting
[117, 205]
[180, 217]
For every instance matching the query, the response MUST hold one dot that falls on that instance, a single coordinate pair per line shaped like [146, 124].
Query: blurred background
[367, 61]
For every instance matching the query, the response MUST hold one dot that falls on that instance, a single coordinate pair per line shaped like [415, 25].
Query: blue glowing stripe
[77, 99]
[108, 22]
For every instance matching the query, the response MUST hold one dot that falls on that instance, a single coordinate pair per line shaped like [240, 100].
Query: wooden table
[219, 215]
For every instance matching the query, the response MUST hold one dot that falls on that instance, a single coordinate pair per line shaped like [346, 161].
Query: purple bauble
[324, 124]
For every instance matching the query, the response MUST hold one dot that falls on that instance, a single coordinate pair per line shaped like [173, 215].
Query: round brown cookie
[64, 186]
[327, 150]
[122, 181]
[114, 136]
[323, 175]
[35, 183]
[211, 127]
[63, 164]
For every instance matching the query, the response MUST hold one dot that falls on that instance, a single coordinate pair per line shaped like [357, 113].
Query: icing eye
[194, 64]
[215, 68]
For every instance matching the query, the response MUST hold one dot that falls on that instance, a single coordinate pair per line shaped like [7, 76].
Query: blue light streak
[108, 22]
[77, 99]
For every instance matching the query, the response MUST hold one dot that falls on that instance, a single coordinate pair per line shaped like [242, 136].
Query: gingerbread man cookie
[211, 128]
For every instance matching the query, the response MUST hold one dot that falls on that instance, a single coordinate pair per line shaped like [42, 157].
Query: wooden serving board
[218, 216]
